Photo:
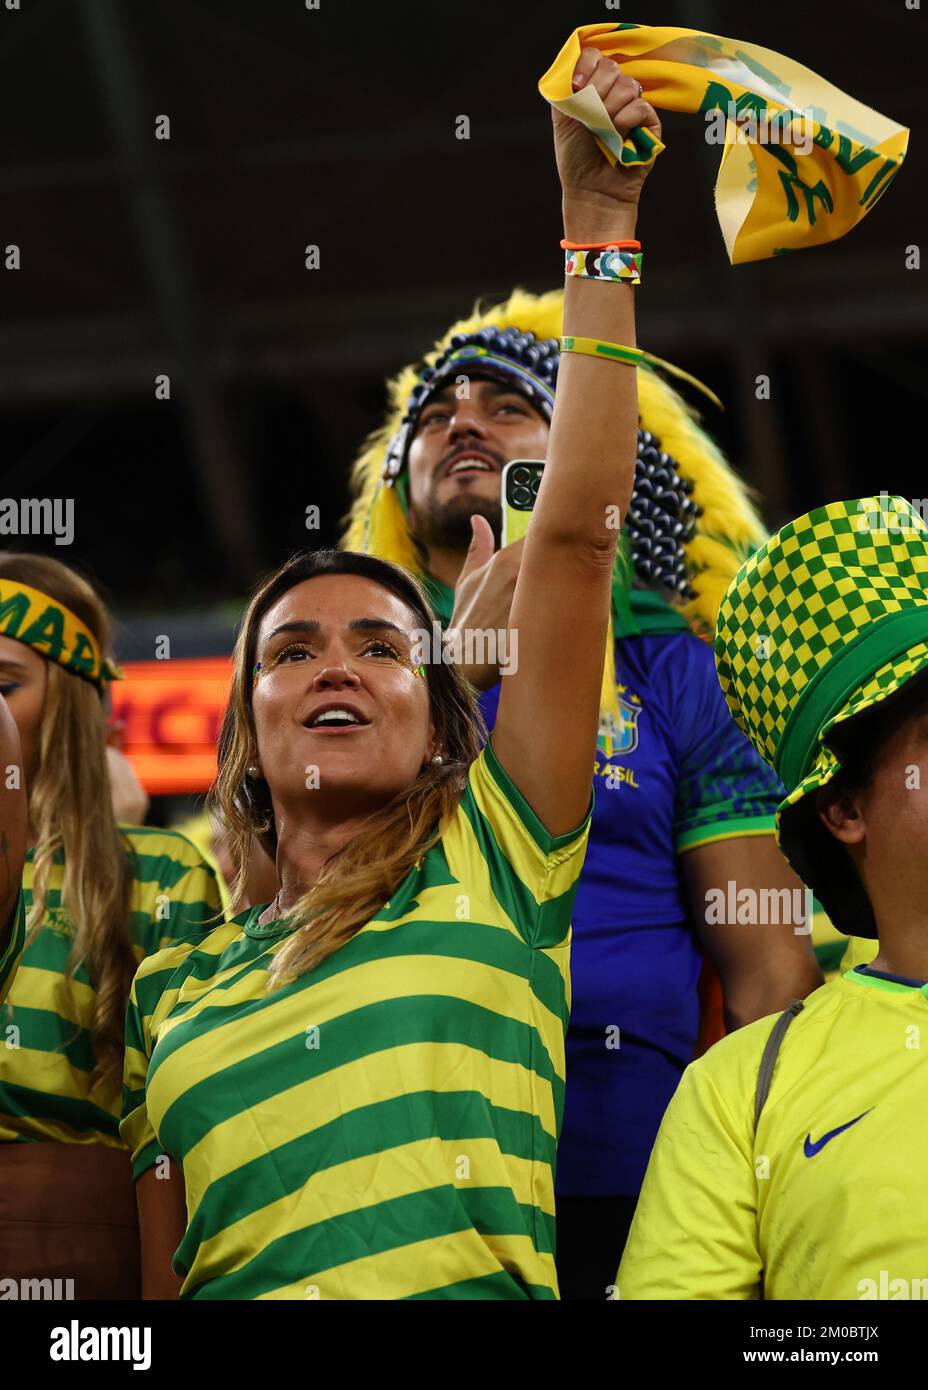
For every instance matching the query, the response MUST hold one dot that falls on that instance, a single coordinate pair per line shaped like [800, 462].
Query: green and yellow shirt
[384, 1126]
[46, 1054]
[827, 1200]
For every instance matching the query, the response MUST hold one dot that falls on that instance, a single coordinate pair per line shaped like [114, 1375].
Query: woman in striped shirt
[356, 1091]
[98, 898]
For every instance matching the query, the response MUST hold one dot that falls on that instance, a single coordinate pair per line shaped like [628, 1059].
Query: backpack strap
[769, 1060]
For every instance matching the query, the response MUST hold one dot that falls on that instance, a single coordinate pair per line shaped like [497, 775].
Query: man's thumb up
[481, 548]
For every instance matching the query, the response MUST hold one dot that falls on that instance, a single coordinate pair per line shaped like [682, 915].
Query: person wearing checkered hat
[683, 801]
[789, 1163]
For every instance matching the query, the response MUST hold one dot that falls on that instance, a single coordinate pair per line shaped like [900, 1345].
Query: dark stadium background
[336, 127]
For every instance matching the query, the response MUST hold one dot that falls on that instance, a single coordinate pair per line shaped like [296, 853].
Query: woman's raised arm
[545, 732]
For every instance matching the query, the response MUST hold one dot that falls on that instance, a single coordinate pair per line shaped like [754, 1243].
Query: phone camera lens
[521, 475]
[521, 497]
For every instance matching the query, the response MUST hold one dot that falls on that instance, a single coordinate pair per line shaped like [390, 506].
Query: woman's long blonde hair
[71, 812]
[356, 882]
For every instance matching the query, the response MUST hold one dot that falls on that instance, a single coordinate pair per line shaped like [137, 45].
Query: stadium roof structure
[337, 128]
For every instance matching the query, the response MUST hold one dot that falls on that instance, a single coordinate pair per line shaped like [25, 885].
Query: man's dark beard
[447, 524]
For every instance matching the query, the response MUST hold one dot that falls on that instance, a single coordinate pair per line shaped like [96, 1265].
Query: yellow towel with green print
[802, 162]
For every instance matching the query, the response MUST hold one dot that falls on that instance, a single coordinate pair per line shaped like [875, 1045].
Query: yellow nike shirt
[384, 1126]
[828, 1199]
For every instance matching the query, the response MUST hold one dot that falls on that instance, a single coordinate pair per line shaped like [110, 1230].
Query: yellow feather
[387, 531]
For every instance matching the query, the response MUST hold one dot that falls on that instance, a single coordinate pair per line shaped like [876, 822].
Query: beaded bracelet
[594, 347]
[608, 264]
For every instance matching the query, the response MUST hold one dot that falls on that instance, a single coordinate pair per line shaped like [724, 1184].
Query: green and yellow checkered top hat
[828, 618]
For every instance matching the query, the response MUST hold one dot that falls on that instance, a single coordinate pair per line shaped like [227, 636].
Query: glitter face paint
[259, 669]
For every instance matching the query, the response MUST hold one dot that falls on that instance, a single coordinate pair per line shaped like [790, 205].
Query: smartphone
[519, 485]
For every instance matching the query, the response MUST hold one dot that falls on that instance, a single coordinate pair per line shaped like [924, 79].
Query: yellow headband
[41, 622]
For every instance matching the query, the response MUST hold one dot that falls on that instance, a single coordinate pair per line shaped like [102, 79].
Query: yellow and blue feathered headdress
[691, 523]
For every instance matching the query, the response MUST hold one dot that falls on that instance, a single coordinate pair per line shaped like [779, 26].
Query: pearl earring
[254, 773]
[438, 758]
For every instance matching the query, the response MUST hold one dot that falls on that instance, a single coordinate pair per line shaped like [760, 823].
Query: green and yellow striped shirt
[385, 1126]
[46, 1054]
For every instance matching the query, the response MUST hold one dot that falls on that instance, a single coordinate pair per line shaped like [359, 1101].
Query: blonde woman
[99, 898]
[359, 1087]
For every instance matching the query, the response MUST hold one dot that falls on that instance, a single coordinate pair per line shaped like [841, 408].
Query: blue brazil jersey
[681, 775]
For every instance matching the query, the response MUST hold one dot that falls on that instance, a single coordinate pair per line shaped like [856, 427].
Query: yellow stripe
[53, 1075]
[348, 1187]
[136, 1131]
[428, 1264]
[372, 983]
[560, 956]
[545, 875]
[440, 904]
[169, 959]
[168, 843]
[322, 1099]
[135, 1069]
[213, 944]
[52, 1131]
[163, 1004]
[721, 834]
[470, 869]
[524, 856]
[148, 845]
[135, 1127]
[55, 993]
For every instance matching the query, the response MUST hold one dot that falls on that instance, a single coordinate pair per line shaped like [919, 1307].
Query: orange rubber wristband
[600, 245]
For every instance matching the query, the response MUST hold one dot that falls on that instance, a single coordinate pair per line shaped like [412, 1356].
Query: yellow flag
[802, 162]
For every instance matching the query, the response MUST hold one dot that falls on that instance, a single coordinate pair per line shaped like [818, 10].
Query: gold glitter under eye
[264, 668]
[388, 648]
[401, 658]
[390, 652]
[293, 647]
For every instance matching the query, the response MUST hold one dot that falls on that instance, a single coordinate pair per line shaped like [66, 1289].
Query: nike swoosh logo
[810, 1149]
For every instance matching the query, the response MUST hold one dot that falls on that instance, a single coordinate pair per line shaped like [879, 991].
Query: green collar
[652, 613]
[881, 982]
[248, 920]
[440, 597]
